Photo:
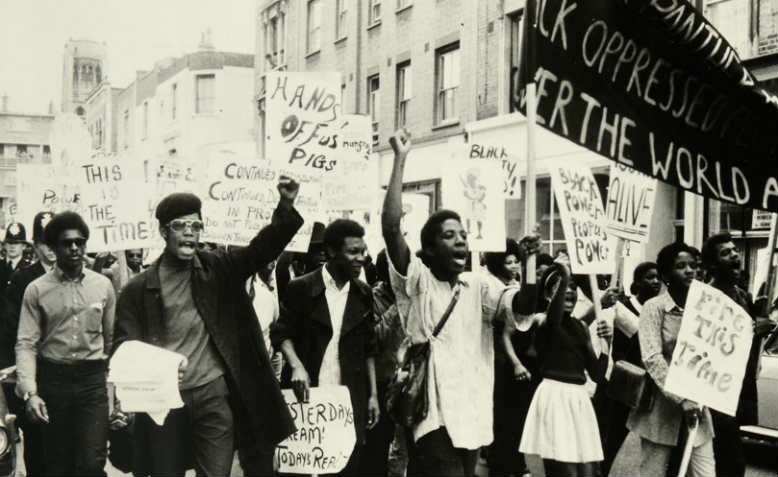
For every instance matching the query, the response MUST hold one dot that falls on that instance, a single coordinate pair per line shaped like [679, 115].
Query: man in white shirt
[461, 368]
[325, 330]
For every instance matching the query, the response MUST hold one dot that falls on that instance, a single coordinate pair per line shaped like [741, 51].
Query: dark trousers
[435, 455]
[200, 434]
[512, 399]
[76, 437]
[612, 421]
[727, 446]
[34, 457]
[555, 468]
[374, 461]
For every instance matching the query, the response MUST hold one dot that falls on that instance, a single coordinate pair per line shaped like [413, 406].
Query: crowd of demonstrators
[512, 371]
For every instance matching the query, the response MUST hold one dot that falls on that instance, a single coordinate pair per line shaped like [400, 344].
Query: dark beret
[176, 205]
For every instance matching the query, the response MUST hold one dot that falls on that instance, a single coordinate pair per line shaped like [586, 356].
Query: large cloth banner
[115, 204]
[325, 435]
[469, 188]
[654, 86]
[630, 203]
[709, 360]
[304, 119]
[240, 195]
[45, 187]
[589, 244]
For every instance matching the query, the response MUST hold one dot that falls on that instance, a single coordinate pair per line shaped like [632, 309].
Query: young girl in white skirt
[561, 426]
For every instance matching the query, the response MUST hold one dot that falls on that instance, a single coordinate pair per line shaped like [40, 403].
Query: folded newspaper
[146, 379]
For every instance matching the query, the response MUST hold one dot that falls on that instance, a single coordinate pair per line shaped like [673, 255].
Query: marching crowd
[441, 363]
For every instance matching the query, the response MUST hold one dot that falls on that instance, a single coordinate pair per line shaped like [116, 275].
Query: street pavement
[762, 462]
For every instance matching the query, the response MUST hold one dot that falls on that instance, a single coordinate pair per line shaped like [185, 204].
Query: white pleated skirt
[561, 424]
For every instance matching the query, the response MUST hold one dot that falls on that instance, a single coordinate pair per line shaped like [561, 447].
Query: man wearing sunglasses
[65, 332]
[194, 302]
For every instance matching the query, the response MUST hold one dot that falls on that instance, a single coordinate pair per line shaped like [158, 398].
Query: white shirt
[265, 306]
[329, 373]
[461, 374]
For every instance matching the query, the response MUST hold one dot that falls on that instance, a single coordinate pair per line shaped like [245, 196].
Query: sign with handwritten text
[589, 243]
[240, 195]
[630, 203]
[509, 163]
[115, 204]
[325, 435]
[709, 360]
[303, 118]
[45, 187]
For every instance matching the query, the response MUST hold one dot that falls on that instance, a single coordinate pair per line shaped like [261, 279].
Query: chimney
[206, 44]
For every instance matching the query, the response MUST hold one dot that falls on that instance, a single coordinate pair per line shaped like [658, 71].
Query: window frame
[441, 92]
[372, 6]
[373, 103]
[199, 99]
[309, 33]
[403, 4]
[126, 129]
[341, 17]
[145, 125]
[173, 100]
[403, 97]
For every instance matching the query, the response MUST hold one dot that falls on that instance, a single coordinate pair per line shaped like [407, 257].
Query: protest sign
[303, 118]
[468, 188]
[654, 86]
[115, 203]
[355, 132]
[589, 244]
[325, 435]
[630, 203]
[240, 195]
[709, 360]
[761, 219]
[146, 379]
[352, 185]
[508, 161]
[45, 187]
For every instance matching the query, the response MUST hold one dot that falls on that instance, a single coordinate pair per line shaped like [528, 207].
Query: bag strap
[449, 309]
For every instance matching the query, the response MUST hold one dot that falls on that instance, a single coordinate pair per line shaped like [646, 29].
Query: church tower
[83, 68]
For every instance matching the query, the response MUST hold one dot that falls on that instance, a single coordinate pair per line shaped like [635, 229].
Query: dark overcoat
[305, 320]
[261, 416]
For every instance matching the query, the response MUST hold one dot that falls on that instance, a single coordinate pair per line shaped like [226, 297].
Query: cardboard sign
[508, 161]
[325, 435]
[589, 243]
[630, 203]
[356, 133]
[239, 197]
[469, 189]
[45, 187]
[709, 360]
[761, 219]
[303, 119]
[653, 85]
[115, 201]
[353, 185]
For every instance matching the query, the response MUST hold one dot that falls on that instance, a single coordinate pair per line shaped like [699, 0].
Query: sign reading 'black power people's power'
[652, 85]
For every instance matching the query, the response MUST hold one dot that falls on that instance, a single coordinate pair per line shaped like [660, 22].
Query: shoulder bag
[407, 400]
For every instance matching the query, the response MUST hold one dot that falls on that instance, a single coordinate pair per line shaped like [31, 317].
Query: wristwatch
[27, 395]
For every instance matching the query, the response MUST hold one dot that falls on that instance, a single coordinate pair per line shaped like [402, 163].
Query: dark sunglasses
[134, 255]
[78, 242]
[178, 225]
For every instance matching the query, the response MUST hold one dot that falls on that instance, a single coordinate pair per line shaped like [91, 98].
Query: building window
[126, 129]
[205, 101]
[173, 100]
[275, 39]
[314, 25]
[21, 151]
[517, 33]
[447, 81]
[340, 19]
[2, 150]
[403, 3]
[373, 104]
[145, 119]
[46, 151]
[374, 12]
[403, 92]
